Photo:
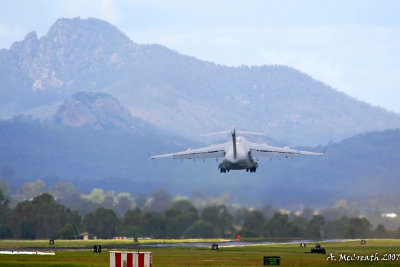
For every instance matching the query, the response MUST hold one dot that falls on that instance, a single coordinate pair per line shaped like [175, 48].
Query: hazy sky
[354, 46]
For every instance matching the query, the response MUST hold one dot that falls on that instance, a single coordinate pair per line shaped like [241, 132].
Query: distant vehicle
[238, 154]
[318, 249]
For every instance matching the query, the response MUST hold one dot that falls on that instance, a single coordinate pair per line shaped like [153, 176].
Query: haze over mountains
[178, 93]
[90, 148]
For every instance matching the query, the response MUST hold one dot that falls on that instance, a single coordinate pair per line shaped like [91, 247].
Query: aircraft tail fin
[234, 143]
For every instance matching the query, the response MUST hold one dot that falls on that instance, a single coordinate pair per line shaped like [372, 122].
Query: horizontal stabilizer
[234, 130]
[216, 133]
[249, 133]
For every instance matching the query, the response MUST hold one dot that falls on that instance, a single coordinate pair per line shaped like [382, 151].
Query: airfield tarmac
[42, 245]
[197, 253]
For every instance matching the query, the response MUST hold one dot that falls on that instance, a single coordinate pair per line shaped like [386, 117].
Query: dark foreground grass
[291, 255]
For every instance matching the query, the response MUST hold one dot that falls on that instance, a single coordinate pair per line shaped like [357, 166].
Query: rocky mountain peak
[75, 47]
[95, 32]
[75, 43]
[31, 36]
[95, 110]
[26, 50]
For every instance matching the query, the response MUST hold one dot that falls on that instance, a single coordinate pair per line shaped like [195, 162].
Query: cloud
[4, 30]
[105, 9]
[110, 11]
[10, 34]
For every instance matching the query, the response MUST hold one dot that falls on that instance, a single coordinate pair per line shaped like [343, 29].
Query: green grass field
[90, 243]
[291, 254]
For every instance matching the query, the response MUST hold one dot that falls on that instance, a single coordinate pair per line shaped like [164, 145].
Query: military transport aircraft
[238, 154]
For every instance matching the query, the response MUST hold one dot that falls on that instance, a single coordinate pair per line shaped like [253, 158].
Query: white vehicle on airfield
[238, 154]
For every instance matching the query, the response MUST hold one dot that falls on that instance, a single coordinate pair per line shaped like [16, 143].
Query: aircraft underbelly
[238, 163]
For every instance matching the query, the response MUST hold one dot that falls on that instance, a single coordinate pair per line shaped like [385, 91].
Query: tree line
[43, 217]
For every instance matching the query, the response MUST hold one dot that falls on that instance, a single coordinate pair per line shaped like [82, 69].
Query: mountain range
[104, 103]
[175, 92]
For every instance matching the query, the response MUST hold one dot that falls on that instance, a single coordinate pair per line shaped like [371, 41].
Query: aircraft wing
[264, 150]
[213, 151]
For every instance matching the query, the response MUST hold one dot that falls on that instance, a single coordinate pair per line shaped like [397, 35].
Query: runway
[140, 246]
